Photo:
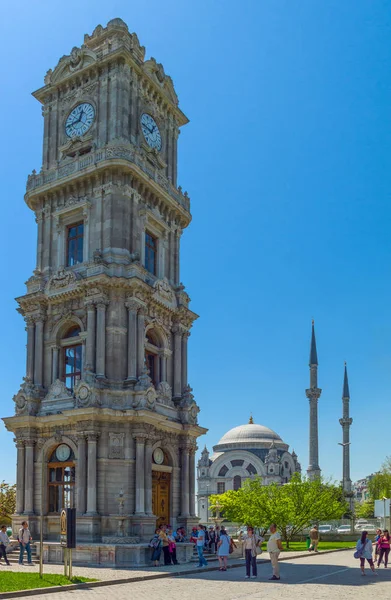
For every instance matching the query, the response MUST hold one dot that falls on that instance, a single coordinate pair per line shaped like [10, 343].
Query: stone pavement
[331, 576]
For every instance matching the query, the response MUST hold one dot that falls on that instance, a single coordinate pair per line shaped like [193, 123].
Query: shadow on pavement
[302, 573]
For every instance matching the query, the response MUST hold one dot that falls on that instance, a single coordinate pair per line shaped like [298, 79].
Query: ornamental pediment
[156, 72]
[164, 293]
[78, 59]
[60, 281]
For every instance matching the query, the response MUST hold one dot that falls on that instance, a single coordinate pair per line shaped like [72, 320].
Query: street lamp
[207, 503]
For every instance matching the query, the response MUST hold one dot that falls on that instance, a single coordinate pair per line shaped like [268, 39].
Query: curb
[149, 577]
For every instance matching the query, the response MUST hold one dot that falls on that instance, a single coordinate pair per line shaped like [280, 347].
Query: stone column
[20, 477]
[91, 336]
[140, 340]
[81, 474]
[55, 354]
[185, 338]
[164, 366]
[30, 348]
[185, 482]
[38, 359]
[192, 481]
[148, 477]
[39, 221]
[177, 362]
[29, 478]
[132, 307]
[91, 474]
[101, 340]
[140, 475]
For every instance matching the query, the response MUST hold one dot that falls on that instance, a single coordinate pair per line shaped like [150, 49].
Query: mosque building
[243, 452]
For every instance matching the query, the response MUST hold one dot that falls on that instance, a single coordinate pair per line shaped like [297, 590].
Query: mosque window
[237, 463]
[223, 471]
[237, 482]
[220, 487]
[75, 235]
[150, 253]
[251, 469]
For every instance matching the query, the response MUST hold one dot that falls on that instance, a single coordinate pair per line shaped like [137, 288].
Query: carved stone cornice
[346, 421]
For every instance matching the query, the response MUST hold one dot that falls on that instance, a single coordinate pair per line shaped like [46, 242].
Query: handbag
[231, 546]
[358, 553]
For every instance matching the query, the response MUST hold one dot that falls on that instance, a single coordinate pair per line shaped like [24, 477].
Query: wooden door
[161, 483]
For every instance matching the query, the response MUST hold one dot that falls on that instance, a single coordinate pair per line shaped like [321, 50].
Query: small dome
[250, 435]
[114, 23]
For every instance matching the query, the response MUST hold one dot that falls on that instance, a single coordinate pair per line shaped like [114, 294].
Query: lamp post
[207, 503]
[41, 517]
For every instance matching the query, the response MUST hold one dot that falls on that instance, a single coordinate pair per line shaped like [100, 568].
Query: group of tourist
[165, 540]
[216, 538]
[364, 550]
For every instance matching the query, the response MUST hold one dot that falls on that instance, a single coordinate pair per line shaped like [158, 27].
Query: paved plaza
[333, 576]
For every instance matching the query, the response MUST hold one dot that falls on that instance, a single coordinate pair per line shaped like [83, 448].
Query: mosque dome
[249, 436]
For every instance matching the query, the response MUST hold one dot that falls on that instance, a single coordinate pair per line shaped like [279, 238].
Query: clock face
[158, 456]
[80, 120]
[63, 452]
[151, 132]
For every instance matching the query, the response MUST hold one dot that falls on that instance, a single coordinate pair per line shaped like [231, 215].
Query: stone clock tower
[105, 419]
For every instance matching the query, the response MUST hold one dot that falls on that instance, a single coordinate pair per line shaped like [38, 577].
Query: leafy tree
[380, 485]
[386, 466]
[365, 510]
[7, 502]
[292, 506]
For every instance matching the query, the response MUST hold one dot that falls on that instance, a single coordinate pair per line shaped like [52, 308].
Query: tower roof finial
[345, 392]
[251, 420]
[313, 353]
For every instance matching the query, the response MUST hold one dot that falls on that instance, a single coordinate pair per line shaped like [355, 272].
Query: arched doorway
[161, 487]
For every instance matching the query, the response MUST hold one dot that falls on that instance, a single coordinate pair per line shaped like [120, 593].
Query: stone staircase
[13, 556]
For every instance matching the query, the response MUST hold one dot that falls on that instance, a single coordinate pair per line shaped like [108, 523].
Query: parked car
[325, 528]
[344, 529]
[366, 527]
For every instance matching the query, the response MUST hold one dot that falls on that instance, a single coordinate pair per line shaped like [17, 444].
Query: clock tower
[105, 419]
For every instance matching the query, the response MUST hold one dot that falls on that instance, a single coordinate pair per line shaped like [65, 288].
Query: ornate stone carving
[116, 445]
[86, 395]
[58, 390]
[163, 289]
[313, 393]
[61, 280]
[164, 394]
[27, 400]
[188, 408]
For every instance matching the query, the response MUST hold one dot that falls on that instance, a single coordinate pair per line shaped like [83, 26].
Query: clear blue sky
[287, 162]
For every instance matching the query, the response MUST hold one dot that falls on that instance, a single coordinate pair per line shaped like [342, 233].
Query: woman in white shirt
[364, 552]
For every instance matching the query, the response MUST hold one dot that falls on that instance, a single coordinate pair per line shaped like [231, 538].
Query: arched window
[152, 356]
[61, 479]
[251, 469]
[237, 482]
[71, 357]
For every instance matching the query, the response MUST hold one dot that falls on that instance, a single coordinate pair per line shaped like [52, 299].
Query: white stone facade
[107, 317]
[243, 452]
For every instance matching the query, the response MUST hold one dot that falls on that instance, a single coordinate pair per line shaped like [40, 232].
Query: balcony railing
[79, 163]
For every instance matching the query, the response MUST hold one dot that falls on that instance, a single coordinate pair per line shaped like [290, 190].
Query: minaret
[346, 422]
[313, 394]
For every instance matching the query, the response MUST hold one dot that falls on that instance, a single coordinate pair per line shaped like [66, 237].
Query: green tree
[292, 506]
[380, 485]
[7, 502]
[365, 510]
